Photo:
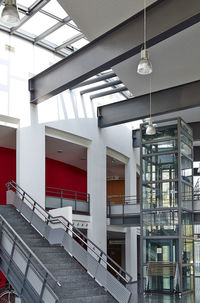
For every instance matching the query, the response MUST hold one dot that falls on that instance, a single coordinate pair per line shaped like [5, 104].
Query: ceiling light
[10, 15]
[150, 128]
[144, 66]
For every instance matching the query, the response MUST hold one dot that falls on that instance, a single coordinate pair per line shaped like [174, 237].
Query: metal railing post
[61, 198]
[88, 204]
[109, 202]
[75, 201]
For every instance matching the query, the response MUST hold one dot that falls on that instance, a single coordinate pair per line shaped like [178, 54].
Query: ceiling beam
[105, 85]
[109, 92]
[165, 101]
[96, 79]
[115, 46]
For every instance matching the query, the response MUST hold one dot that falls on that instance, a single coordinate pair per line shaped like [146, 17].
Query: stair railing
[121, 277]
[18, 259]
[80, 200]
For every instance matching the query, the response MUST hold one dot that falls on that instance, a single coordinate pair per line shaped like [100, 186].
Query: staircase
[39, 257]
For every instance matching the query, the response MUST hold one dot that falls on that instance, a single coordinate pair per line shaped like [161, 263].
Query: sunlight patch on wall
[66, 101]
[3, 103]
[3, 73]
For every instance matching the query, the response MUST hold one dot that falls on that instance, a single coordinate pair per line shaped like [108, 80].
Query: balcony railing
[58, 198]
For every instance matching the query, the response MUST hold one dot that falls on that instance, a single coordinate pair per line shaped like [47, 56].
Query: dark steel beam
[115, 46]
[105, 85]
[109, 92]
[165, 101]
[97, 79]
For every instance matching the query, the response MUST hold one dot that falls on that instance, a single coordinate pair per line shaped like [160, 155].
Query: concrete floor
[158, 298]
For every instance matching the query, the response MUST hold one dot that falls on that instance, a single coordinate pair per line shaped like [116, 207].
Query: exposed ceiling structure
[46, 24]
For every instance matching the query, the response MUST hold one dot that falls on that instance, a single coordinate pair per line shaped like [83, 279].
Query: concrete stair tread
[93, 299]
[77, 286]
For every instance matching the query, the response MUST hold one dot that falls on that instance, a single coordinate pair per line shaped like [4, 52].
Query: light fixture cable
[144, 66]
[150, 128]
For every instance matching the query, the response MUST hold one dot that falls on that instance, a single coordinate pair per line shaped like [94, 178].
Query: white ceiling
[72, 154]
[175, 61]
[95, 17]
[76, 155]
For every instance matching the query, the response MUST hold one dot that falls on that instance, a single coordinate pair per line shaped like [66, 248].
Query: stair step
[82, 292]
[77, 286]
[93, 299]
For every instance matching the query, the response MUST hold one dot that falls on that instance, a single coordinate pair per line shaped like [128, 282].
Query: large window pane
[186, 196]
[187, 224]
[160, 167]
[158, 147]
[160, 195]
[160, 223]
[187, 257]
[186, 145]
[186, 169]
[186, 128]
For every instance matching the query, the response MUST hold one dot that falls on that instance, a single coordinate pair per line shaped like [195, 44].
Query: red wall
[65, 176]
[7, 173]
[7, 170]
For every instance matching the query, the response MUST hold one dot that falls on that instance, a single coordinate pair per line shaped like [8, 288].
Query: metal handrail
[30, 251]
[67, 191]
[49, 218]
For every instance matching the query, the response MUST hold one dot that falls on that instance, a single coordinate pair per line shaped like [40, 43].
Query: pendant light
[144, 66]
[150, 128]
[10, 15]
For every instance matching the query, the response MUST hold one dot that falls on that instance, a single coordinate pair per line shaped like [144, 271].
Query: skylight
[38, 24]
[53, 7]
[62, 34]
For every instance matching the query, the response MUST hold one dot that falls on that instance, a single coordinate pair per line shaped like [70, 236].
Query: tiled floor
[157, 298]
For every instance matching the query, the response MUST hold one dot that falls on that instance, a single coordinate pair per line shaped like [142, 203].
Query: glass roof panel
[55, 8]
[80, 43]
[61, 35]
[38, 24]
[26, 3]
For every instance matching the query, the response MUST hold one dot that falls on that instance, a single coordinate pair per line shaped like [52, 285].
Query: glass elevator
[167, 234]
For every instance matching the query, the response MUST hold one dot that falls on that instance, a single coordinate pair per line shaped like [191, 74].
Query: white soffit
[95, 17]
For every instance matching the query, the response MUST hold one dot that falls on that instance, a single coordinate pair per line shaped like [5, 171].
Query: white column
[96, 186]
[131, 234]
[31, 158]
[130, 176]
[131, 252]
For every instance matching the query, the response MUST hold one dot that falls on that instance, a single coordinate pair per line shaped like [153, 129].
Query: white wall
[68, 112]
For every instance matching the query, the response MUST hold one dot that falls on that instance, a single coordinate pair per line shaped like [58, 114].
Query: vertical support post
[61, 198]
[75, 201]
[88, 195]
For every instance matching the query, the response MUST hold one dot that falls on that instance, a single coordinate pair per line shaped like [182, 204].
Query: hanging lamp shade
[144, 66]
[10, 15]
[150, 129]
